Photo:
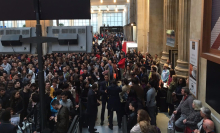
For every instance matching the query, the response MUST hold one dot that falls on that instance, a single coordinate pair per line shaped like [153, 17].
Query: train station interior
[120, 54]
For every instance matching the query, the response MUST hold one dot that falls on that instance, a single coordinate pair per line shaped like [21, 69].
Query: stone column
[183, 38]
[170, 23]
[44, 25]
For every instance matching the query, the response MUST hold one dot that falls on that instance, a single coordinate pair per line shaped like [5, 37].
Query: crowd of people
[130, 83]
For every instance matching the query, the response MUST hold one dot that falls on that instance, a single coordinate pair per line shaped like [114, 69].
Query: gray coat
[193, 119]
[185, 106]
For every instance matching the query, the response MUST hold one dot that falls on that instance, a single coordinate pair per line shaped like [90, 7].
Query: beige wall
[195, 33]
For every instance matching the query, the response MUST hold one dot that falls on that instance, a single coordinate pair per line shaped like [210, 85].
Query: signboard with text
[193, 66]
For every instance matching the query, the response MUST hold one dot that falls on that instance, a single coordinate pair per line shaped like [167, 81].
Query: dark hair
[144, 80]
[154, 69]
[57, 92]
[183, 82]
[134, 104]
[55, 102]
[65, 86]
[94, 86]
[172, 72]
[126, 81]
[35, 97]
[64, 93]
[6, 115]
[26, 83]
[113, 82]
[186, 90]
[135, 80]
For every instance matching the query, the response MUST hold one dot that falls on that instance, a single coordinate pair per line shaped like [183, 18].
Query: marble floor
[162, 123]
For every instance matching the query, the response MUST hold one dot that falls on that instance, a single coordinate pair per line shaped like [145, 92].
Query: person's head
[58, 93]
[134, 81]
[35, 97]
[15, 95]
[185, 91]
[54, 83]
[65, 87]
[208, 125]
[5, 62]
[165, 66]
[109, 62]
[114, 82]
[55, 104]
[125, 81]
[94, 87]
[133, 106]
[142, 115]
[47, 85]
[64, 69]
[174, 78]
[64, 96]
[17, 84]
[106, 77]
[6, 115]
[153, 69]
[33, 87]
[27, 85]
[2, 91]
[197, 105]
[155, 55]
[205, 113]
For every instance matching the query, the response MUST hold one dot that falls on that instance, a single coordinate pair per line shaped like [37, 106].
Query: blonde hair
[174, 77]
[197, 104]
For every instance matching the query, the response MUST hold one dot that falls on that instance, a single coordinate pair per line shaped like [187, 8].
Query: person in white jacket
[6, 66]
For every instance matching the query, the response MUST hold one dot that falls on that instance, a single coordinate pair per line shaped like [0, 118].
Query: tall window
[20, 23]
[64, 22]
[81, 22]
[1, 23]
[8, 24]
[94, 21]
[112, 19]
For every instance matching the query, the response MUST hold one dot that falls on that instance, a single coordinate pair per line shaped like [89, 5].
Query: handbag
[171, 125]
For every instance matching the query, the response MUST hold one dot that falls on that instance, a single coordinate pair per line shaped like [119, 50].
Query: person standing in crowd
[6, 126]
[110, 69]
[151, 102]
[121, 65]
[114, 103]
[171, 89]
[132, 119]
[165, 73]
[17, 102]
[92, 108]
[103, 88]
[62, 118]
[185, 107]
[6, 66]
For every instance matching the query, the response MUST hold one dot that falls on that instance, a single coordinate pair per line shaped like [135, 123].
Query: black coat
[103, 86]
[100, 73]
[35, 111]
[132, 121]
[7, 127]
[62, 124]
[5, 100]
[92, 103]
[114, 99]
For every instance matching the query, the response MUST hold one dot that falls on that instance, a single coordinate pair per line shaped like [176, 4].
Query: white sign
[193, 66]
[15, 119]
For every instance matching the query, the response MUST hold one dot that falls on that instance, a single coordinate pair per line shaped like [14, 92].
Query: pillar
[156, 27]
[170, 23]
[183, 38]
[44, 25]
[142, 25]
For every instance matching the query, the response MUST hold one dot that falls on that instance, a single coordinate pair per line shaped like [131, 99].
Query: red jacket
[98, 56]
[121, 63]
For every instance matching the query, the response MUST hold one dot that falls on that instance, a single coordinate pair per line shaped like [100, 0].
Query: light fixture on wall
[114, 1]
[92, 10]
[128, 1]
[99, 10]
[116, 9]
[101, 1]
[107, 9]
[124, 9]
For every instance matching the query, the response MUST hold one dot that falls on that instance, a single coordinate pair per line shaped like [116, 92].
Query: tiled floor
[162, 123]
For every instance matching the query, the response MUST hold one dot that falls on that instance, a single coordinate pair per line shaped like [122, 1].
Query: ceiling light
[128, 1]
[101, 1]
[114, 1]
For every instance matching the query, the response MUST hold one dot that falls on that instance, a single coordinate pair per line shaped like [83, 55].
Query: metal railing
[74, 127]
[124, 124]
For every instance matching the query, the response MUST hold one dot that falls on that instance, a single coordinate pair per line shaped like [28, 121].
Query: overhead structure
[70, 39]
